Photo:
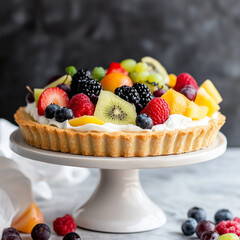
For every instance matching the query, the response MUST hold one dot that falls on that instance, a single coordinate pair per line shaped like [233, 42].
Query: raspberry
[81, 105]
[236, 219]
[228, 227]
[185, 79]
[157, 109]
[64, 225]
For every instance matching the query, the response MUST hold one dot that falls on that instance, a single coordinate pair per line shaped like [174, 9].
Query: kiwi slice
[113, 109]
[156, 66]
[37, 94]
[64, 79]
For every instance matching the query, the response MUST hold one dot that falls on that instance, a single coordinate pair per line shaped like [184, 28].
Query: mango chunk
[212, 91]
[176, 101]
[80, 121]
[204, 99]
[196, 112]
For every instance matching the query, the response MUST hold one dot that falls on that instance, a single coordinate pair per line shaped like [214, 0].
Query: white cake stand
[119, 203]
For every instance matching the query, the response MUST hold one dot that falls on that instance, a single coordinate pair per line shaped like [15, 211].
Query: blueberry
[144, 121]
[50, 110]
[63, 114]
[197, 213]
[10, 234]
[223, 215]
[41, 231]
[189, 227]
[71, 236]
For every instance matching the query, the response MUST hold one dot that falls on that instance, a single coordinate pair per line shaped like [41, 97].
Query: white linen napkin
[21, 178]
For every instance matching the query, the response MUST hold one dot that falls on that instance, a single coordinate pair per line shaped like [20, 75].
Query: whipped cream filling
[175, 121]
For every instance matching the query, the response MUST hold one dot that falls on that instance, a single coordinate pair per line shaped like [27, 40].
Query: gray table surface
[211, 185]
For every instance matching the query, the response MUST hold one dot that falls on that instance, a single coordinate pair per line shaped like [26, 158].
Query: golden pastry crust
[117, 144]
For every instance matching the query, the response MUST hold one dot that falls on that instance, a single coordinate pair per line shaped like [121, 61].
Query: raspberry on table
[228, 227]
[185, 79]
[158, 110]
[64, 225]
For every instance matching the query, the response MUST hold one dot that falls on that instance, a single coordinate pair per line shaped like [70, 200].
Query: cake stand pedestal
[119, 203]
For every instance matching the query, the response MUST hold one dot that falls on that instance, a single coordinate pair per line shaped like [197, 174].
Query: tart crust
[117, 144]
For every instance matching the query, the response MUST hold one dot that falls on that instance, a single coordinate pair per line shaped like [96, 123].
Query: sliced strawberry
[115, 67]
[52, 95]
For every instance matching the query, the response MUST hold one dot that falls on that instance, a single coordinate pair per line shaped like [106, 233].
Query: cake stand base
[119, 205]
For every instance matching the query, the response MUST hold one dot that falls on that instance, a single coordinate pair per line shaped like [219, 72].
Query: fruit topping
[81, 105]
[197, 213]
[185, 79]
[144, 93]
[29, 98]
[177, 102]
[82, 82]
[28, 219]
[114, 80]
[98, 73]
[50, 110]
[80, 121]
[63, 114]
[204, 99]
[189, 227]
[144, 121]
[204, 226]
[129, 94]
[156, 66]
[223, 215]
[53, 78]
[172, 80]
[10, 234]
[52, 95]
[159, 92]
[141, 67]
[71, 70]
[209, 235]
[189, 92]
[115, 67]
[228, 236]
[71, 236]
[65, 87]
[37, 93]
[64, 225]
[41, 232]
[228, 227]
[212, 91]
[113, 109]
[64, 79]
[195, 111]
[157, 109]
[236, 219]
[129, 65]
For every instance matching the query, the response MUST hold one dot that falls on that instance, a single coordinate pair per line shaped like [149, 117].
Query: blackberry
[129, 94]
[144, 93]
[82, 82]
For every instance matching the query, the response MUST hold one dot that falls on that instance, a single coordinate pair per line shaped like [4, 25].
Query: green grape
[141, 67]
[228, 236]
[99, 73]
[129, 65]
[133, 76]
[142, 76]
[155, 78]
[71, 70]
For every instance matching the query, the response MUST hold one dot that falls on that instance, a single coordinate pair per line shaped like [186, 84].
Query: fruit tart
[130, 109]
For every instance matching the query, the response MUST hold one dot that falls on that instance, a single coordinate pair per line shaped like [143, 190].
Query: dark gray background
[39, 38]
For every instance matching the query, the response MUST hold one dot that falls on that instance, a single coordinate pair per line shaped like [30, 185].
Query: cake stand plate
[119, 203]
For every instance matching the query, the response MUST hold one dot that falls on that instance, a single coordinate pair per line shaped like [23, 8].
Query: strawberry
[185, 79]
[52, 95]
[116, 68]
[81, 105]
